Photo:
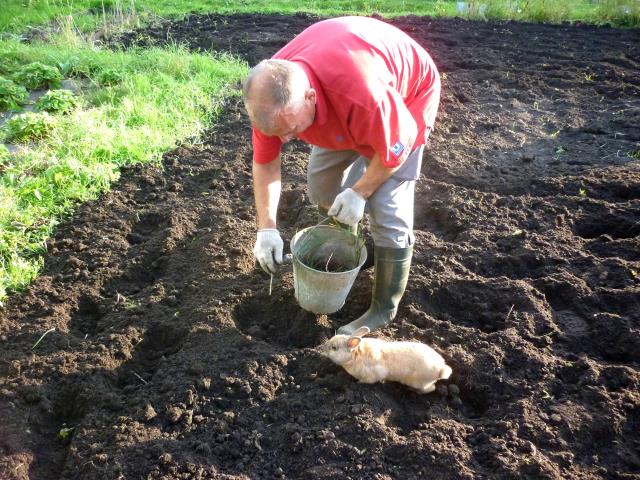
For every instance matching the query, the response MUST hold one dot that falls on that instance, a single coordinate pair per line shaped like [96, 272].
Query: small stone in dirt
[229, 416]
[174, 414]
[14, 368]
[556, 418]
[531, 448]
[75, 263]
[171, 300]
[31, 395]
[165, 459]
[195, 368]
[149, 413]
[442, 390]
[188, 417]
[454, 390]
[203, 448]
[205, 383]
[327, 435]
[255, 331]
[135, 238]
[129, 389]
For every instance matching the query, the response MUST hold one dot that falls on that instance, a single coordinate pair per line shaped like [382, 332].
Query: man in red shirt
[365, 95]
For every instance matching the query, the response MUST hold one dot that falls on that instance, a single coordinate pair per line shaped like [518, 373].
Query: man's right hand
[268, 249]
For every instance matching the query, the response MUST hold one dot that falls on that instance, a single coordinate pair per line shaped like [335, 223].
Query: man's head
[279, 98]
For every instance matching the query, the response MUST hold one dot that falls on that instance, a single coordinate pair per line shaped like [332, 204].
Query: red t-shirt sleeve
[265, 148]
[389, 128]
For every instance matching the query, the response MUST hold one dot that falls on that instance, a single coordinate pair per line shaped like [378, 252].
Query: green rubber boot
[390, 280]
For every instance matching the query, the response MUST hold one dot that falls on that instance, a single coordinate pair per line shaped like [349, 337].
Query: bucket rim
[296, 237]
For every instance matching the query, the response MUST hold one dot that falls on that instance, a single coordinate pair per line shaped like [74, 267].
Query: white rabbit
[372, 360]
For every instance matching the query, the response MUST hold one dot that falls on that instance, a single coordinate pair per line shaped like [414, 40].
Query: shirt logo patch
[339, 138]
[397, 149]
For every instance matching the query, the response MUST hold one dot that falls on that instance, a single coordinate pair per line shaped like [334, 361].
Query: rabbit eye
[334, 348]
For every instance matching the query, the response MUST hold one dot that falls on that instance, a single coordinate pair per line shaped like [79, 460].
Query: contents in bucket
[333, 253]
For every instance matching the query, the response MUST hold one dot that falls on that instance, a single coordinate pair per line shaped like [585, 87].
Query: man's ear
[311, 95]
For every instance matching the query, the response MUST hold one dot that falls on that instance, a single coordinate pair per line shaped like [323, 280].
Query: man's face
[292, 121]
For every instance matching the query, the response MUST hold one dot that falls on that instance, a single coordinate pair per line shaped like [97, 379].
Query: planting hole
[280, 320]
[616, 226]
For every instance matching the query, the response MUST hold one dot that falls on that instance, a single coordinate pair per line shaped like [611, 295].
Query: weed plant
[110, 77]
[27, 127]
[57, 101]
[38, 75]
[11, 95]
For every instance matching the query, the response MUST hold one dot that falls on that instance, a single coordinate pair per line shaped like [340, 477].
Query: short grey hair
[271, 86]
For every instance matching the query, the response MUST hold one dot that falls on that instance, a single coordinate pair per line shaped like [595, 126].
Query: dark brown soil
[170, 360]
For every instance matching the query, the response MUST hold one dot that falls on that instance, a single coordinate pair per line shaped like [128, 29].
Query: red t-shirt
[377, 89]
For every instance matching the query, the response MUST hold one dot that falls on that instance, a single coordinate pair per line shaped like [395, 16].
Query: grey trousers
[390, 207]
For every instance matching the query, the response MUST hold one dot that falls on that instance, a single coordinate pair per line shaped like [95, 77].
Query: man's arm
[267, 183]
[375, 176]
[348, 207]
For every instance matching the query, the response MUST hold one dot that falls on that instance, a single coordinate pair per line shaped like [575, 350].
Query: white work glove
[268, 249]
[348, 207]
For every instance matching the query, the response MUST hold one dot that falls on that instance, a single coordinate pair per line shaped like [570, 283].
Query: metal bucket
[324, 291]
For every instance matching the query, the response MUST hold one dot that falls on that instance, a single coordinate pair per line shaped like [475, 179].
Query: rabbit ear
[353, 342]
[361, 332]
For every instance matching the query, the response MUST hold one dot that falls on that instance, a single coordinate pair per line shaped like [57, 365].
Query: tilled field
[170, 360]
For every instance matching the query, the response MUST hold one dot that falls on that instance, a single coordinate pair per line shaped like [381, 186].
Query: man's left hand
[348, 207]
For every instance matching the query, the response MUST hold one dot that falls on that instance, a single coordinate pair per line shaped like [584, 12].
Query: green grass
[19, 16]
[617, 12]
[92, 14]
[165, 97]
